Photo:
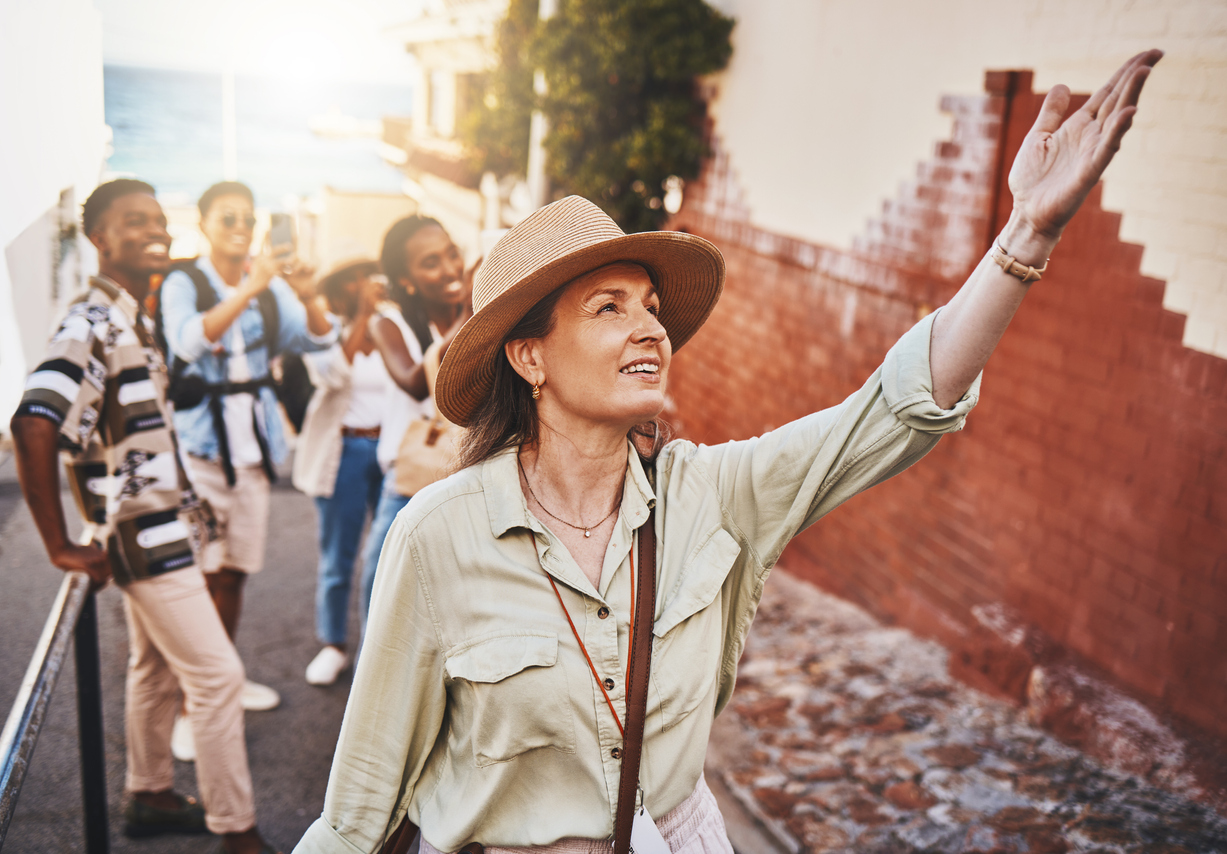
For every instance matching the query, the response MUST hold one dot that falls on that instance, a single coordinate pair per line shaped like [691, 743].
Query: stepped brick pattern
[1088, 494]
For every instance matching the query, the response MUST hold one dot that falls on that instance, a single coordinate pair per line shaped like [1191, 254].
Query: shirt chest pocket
[512, 695]
[688, 643]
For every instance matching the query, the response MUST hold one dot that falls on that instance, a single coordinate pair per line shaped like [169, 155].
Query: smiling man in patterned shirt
[100, 398]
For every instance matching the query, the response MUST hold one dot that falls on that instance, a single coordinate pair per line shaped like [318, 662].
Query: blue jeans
[390, 503]
[341, 516]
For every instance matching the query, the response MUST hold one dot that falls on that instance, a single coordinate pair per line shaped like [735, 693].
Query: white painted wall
[828, 105]
[53, 138]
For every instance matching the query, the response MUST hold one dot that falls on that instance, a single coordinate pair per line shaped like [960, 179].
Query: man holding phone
[225, 336]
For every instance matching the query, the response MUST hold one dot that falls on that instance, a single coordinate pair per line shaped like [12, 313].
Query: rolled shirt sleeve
[67, 387]
[295, 335]
[182, 324]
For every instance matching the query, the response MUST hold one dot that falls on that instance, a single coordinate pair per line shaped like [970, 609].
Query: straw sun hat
[553, 246]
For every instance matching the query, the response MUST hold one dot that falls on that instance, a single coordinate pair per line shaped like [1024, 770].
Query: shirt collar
[507, 509]
[118, 296]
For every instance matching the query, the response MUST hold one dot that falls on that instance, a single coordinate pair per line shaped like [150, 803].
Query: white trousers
[177, 641]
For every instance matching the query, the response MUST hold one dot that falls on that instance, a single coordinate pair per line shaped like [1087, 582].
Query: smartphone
[281, 235]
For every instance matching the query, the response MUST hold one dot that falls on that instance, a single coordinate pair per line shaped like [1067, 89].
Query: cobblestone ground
[845, 735]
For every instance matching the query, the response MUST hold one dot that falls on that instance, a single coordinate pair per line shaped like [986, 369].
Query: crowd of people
[162, 377]
[490, 705]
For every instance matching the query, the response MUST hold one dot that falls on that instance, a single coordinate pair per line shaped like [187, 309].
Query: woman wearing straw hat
[490, 702]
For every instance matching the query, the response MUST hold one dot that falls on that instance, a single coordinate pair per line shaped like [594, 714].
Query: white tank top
[399, 407]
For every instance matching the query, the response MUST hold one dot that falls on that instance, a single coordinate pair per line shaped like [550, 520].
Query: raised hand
[1059, 163]
[1057, 166]
[301, 277]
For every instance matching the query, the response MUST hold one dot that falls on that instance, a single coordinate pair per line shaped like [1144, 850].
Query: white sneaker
[182, 742]
[326, 666]
[259, 698]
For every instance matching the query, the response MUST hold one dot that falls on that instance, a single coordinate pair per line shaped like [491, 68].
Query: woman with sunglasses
[217, 316]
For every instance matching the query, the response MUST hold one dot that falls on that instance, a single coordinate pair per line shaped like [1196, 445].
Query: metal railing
[74, 615]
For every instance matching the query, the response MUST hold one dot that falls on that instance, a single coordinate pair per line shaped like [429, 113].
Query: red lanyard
[584, 649]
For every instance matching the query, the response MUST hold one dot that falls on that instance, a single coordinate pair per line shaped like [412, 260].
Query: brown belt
[360, 432]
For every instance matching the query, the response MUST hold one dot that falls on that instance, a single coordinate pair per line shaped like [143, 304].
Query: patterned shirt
[103, 384]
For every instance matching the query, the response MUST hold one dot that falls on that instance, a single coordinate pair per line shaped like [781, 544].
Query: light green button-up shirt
[473, 709]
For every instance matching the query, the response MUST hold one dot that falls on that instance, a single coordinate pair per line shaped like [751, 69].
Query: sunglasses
[230, 220]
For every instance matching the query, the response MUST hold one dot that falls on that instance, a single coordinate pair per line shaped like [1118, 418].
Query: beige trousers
[694, 826]
[177, 642]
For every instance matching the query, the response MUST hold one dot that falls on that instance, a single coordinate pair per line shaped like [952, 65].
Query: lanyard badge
[645, 836]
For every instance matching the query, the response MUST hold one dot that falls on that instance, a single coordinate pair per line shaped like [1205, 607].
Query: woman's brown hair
[508, 418]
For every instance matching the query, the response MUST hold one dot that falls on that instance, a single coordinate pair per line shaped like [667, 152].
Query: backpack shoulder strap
[271, 316]
[206, 298]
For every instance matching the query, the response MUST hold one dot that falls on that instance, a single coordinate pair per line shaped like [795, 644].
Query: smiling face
[435, 267]
[132, 240]
[606, 360]
[228, 225]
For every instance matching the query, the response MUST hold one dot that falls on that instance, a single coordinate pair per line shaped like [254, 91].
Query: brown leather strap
[639, 668]
[637, 696]
[402, 840]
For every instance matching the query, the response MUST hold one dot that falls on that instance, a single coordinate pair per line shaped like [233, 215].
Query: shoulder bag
[429, 445]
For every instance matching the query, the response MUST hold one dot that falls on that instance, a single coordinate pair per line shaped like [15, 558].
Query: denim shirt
[184, 327]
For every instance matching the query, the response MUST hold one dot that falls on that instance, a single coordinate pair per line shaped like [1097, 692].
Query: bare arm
[1057, 166]
[404, 371]
[360, 334]
[36, 451]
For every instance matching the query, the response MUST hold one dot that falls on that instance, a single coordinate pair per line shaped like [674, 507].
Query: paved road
[290, 748]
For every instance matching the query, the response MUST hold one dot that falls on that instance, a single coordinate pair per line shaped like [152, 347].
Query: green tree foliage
[623, 110]
[497, 128]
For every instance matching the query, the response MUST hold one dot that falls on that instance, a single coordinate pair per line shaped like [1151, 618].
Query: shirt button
[616, 753]
[602, 612]
[609, 683]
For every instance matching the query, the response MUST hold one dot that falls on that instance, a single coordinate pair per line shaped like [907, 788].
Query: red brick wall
[1089, 490]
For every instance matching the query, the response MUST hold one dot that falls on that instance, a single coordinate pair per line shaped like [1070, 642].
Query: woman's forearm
[967, 330]
[408, 374]
[358, 336]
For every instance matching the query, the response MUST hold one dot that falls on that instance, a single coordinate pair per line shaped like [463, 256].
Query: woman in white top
[428, 283]
[336, 460]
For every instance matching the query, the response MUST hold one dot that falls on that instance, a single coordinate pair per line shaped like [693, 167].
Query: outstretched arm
[1057, 166]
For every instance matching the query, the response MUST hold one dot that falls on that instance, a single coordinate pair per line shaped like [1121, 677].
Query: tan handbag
[429, 445]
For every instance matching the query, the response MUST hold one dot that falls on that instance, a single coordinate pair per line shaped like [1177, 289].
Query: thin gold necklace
[587, 529]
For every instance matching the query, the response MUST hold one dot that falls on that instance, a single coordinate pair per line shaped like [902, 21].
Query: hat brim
[688, 273]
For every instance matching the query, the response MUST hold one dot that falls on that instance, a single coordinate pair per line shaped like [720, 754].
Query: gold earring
[536, 392]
